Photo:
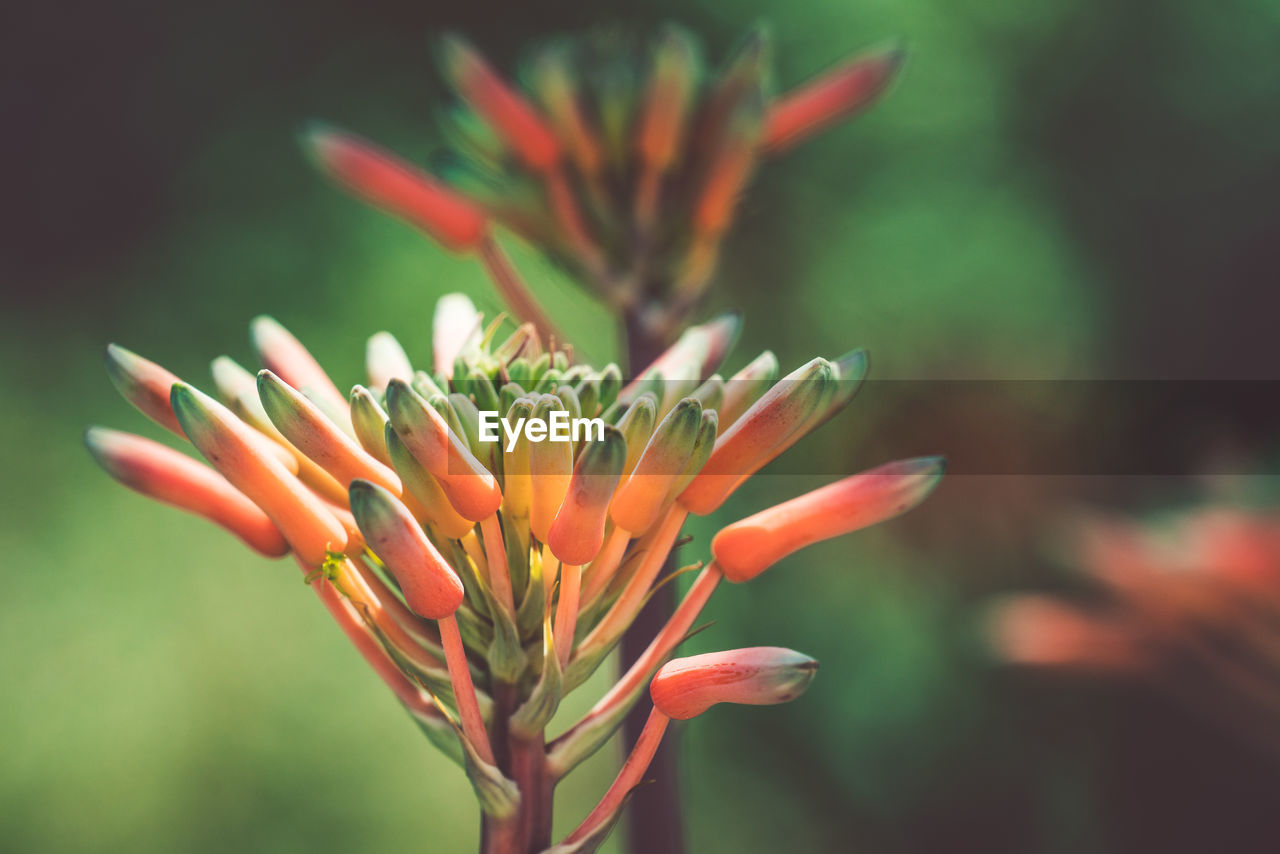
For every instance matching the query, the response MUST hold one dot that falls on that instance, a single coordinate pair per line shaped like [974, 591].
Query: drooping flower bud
[577, 533]
[760, 435]
[430, 586]
[756, 676]
[226, 442]
[511, 116]
[173, 478]
[308, 430]
[471, 488]
[748, 547]
[646, 491]
[829, 98]
[385, 360]
[403, 190]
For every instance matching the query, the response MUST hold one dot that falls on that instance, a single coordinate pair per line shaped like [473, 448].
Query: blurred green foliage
[1061, 189]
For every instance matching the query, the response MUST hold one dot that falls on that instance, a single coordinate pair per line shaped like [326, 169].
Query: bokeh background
[1072, 189]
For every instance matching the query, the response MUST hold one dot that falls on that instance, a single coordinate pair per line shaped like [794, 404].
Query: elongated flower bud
[745, 387]
[455, 325]
[517, 480]
[552, 466]
[424, 491]
[704, 345]
[639, 501]
[829, 98]
[756, 676]
[471, 488]
[554, 83]
[636, 425]
[308, 430]
[386, 360]
[403, 190]
[578, 530]
[430, 586]
[747, 548]
[662, 122]
[730, 168]
[759, 435]
[225, 441]
[144, 384]
[173, 478]
[370, 424]
[511, 116]
[284, 355]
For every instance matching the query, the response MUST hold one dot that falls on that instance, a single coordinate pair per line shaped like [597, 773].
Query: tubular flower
[1188, 607]
[624, 162]
[484, 564]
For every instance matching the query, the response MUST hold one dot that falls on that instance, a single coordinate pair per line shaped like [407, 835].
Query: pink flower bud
[756, 676]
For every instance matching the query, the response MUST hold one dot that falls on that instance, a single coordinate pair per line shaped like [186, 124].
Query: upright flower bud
[578, 530]
[636, 425]
[511, 116]
[225, 441]
[430, 586]
[308, 430]
[745, 387]
[829, 98]
[175, 479]
[385, 360]
[756, 676]
[760, 435]
[403, 190]
[455, 325]
[517, 480]
[747, 548]
[553, 80]
[639, 501]
[370, 424]
[285, 357]
[423, 494]
[471, 488]
[552, 466]
[661, 124]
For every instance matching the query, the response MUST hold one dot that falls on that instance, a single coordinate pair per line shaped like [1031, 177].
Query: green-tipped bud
[578, 530]
[370, 424]
[430, 586]
[647, 490]
[636, 425]
[745, 387]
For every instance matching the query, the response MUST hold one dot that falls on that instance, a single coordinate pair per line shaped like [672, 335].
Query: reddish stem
[464, 690]
[567, 612]
[628, 778]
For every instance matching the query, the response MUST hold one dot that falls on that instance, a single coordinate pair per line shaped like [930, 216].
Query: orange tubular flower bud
[728, 172]
[430, 586]
[747, 548]
[578, 530]
[285, 357]
[551, 464]
[385, 181]
[225, 441]
[146, 385]
[760, 435]
[554, 82]
[639, 501]
[423, 494]
[307, 428]
[471, 488]
[756, 676]
[175, 479]
[704, 345]
[1043, 632]
[829, 98]
[666, 109]
[515, 119]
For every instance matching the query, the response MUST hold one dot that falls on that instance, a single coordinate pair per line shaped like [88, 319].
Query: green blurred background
[1068, 189]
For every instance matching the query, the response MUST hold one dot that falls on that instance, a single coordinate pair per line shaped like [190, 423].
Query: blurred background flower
[1067, 191]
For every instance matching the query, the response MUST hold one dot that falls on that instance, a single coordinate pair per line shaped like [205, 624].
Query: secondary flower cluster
[622, 162]
[1189, 608]
[484, 582]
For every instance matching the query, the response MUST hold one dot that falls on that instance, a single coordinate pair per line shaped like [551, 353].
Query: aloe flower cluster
[486, 573]
[485, 581]
[1186, 606]
[624, 164]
